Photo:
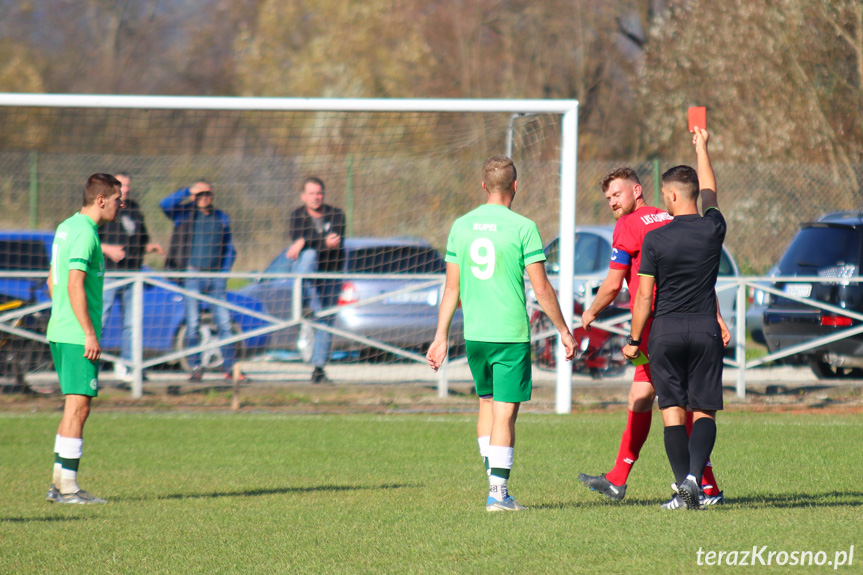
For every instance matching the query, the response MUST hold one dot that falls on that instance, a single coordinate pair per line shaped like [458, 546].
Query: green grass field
[263, 493]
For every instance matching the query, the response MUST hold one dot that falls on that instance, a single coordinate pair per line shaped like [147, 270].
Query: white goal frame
[568, 109]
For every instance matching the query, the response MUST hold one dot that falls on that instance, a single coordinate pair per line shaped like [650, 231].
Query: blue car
[163, 314]
[24, 251]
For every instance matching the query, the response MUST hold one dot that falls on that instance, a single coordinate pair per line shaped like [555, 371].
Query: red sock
[634, 436]
[707, 478]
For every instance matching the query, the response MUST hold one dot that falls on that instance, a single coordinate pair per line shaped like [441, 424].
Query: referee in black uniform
[681, 260]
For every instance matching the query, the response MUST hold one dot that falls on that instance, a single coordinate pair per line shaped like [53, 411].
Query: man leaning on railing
[316, 232]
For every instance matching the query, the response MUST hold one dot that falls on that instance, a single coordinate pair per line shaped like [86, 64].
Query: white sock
[68, 481]
[497, 487]
[69, 448]
[500, 457]
[55, 480]
[483, 442]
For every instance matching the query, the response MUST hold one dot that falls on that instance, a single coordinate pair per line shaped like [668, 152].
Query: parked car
[829, 248]
[758, 300]
[592, 256]
[163, 314]
[406, 320]
[24, 251]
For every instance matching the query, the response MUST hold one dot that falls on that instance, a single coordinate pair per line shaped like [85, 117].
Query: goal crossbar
[288, 104]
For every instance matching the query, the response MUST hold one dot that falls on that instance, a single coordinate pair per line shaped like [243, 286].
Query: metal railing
[270, 323]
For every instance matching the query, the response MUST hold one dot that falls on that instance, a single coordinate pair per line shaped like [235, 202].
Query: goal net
[401, 171]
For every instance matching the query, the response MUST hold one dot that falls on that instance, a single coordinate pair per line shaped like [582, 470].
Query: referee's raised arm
[706, 177]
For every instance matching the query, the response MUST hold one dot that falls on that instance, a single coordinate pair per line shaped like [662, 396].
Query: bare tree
[781, 79]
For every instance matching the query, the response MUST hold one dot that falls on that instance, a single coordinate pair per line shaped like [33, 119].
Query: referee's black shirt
[683, 257]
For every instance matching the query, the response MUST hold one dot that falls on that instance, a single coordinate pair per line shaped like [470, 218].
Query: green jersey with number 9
[76, 247]
[492, 245]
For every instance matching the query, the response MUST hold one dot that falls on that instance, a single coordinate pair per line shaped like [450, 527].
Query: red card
[697, 117]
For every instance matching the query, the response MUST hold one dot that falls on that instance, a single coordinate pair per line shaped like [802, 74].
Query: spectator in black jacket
[317, 230]
[125, 241]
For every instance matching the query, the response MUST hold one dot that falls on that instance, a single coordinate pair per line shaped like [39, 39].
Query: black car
[829, 249]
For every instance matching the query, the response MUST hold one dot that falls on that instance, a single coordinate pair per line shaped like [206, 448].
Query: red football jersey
[626, 242]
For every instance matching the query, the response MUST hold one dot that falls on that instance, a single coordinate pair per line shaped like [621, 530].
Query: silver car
[403, 313]
[593, 253]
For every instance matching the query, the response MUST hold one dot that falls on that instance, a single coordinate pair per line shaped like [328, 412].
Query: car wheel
[615, 362]
[22, 356]
[210, 359]
[824, 370]
[543, 348]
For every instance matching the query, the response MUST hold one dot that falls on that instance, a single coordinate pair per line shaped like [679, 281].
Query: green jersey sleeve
[82, 249]
[451, 254]
[532, 245]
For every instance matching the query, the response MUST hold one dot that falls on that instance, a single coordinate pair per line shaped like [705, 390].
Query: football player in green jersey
[488, 251]
[75, 283]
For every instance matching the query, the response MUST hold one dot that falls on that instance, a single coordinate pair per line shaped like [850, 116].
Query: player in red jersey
[635, 218]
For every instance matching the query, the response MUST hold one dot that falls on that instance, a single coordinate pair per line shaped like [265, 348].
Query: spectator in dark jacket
[317, 230]
[201, 242]
[125, 241]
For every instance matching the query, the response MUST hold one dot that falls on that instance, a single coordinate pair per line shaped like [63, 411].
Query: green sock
[500, 472]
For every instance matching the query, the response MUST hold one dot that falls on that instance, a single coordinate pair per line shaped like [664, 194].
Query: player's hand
[294, 251]
[155, 248]
[630, 351]
[333, 240]
[699, 139]
[723, 329]
[569, 344]
[436, 354]
[586, 319]
[114, 252]
[92, 349]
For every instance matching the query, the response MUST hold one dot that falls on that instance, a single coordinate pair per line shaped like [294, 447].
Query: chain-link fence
[400, 188]
[763, 203]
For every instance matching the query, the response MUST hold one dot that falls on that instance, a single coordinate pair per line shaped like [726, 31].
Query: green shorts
[500, 370]
[78, 375]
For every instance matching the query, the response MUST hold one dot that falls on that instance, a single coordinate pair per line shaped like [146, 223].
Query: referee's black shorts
[685, 353]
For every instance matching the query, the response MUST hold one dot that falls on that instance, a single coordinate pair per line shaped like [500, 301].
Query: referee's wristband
[630, 341]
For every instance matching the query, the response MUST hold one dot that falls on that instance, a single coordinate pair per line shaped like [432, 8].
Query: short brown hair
[498, 173]
[314, 180]
[624, 173]
[97, 185]
[685, 177]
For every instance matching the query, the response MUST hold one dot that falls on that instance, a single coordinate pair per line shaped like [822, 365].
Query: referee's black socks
[677, 448]
[701, 443]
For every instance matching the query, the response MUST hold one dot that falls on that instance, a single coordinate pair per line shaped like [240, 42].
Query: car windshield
[23, 255]
[592, 253]
[395, 260]
[819, 247]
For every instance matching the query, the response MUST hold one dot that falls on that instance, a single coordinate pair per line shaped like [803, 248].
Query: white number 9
[482, 254]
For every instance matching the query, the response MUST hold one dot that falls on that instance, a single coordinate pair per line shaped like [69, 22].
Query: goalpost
[402, 170]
